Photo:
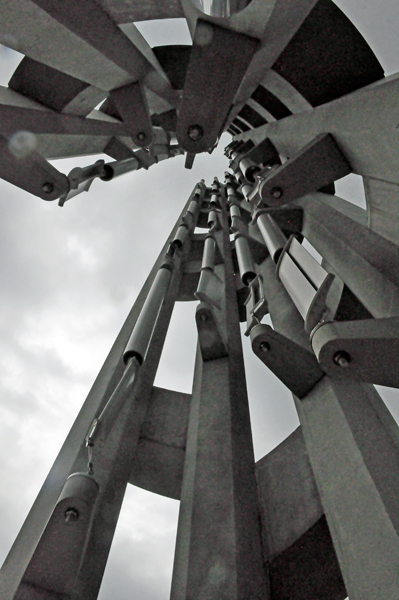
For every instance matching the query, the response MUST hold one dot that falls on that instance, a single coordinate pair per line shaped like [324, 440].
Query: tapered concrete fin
[208, 90]
[210, 336]
[28, 170]
[210, 288]
[17, 118]
[316, 165]
[131, 104]
[363, 350]
[295, 366]
[118, 150]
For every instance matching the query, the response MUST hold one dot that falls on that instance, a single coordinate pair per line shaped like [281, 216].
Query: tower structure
[306, 102]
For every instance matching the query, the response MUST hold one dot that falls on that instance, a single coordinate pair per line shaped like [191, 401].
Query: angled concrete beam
[82, 45]
[31, 172]
[16, 118]
[131, 104]
[316, 165]
[363, 124]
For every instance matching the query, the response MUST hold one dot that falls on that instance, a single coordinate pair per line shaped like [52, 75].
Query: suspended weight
[249, 169]
[55, 564]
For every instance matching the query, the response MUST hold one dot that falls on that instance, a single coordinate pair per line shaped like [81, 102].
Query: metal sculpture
[306, 102]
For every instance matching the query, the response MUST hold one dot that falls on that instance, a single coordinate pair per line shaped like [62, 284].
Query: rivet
[47, 187]
[204, 317]
[264, 346]
[342, 359]
[71, 515]
[276, 192]
[195, 132]
[141, 136]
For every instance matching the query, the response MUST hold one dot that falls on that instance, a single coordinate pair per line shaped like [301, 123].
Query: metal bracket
[295, 366]
[364, 350]
[210, 337]
[318, 164]
[256, 304]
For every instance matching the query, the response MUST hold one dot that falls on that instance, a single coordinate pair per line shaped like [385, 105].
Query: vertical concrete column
[112, 457]
[218, 550]
[353, 446]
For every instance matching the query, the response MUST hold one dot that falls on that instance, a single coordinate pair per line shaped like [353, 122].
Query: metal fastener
[264, 346]
[71, 515]
[195, 132]
[276, 192]
[47, 187]
[342, 359]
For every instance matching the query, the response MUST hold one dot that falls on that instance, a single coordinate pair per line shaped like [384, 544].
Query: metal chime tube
[249, 169]
[235, 211]
[212, 216]
[244, 257]
[119, 167]
[180, 236]
[140, 338]
[274, 238]
[246, 189]
[208, 258]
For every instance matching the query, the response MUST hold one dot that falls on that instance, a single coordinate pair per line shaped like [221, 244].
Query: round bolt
[47, 187]
[276, 192]
[342, 359]
[71, 515]
[195, 132]
[141, 136]
[264, 346]
[204, 317]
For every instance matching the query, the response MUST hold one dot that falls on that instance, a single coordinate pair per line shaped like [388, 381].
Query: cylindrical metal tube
[198, 192]
[208, 257]
[180, 235]
[246, 190]
[140, 338]
[235, 211]
[275, 239]
[194, 208]
[212, 218]
[214, 199]
[244, 258]
[119, 167]
[249, 169]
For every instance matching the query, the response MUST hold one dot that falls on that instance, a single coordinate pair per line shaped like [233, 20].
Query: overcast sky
[69, 277]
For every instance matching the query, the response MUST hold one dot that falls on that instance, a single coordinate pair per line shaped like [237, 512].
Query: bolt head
[204, 317]
[342, 359]
[71, 515]
[141, 136]
[195, 132]
[47, 187]
[264, 346]
[276, 192]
